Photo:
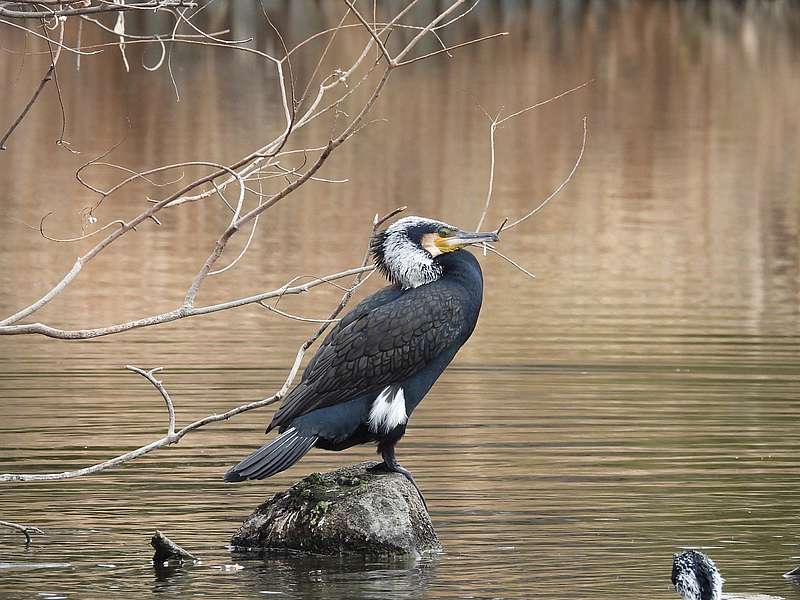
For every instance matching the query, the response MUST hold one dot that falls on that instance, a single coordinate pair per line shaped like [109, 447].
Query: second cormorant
[695, 576]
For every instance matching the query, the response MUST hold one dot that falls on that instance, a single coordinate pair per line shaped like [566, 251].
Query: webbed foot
[379, 468]
[390, 464]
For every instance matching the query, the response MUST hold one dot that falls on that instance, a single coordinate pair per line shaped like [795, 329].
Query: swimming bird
[378, 363]
[695, 577]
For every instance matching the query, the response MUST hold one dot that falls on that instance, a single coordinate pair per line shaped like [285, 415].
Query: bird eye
[446, 231]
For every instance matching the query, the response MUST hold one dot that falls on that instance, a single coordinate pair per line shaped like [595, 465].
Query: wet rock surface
[352, 510]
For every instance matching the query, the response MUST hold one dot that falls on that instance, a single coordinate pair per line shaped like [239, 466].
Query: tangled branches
[340, 97]
[49, 9]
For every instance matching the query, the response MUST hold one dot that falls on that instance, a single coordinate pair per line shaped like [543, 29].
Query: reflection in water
[639, 396]
[308, 577]
[340, 578]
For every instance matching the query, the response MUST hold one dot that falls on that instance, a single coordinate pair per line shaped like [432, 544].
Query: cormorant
[695, 576]
[377, 364]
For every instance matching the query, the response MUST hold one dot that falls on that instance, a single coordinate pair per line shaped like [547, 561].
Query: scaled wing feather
[375, 346]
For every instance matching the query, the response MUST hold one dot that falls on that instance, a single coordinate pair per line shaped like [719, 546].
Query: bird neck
[463, 268]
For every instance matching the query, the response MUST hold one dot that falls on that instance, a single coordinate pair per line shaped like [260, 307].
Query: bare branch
[47, 77]
[494, 123]
[26, 530]
[239, 171]
[426, 29]
[149, 375]
[389, 60]
[101, 7]
[222, 241]
[492, 129]
[296, 317]
[39, 35]
[54, 56]
[55, 291]
[174, 315]
[119, 222]
[173, 437]
[561, 185]
[331, 93]
[453, 47]
[377, 222]
[543, 102]
[494, 250]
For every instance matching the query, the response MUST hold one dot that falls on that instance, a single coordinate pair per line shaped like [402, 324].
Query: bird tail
[280, 454]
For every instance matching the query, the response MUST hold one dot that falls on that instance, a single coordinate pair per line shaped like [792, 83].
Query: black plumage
[387, 338]
[377, 364]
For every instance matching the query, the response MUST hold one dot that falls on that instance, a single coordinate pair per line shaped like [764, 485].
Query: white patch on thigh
[388, 410]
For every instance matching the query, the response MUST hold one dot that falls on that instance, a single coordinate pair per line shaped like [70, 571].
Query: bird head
[407, 250]
[695, 576]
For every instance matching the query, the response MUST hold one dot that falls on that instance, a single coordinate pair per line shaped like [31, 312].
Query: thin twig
[39, 35]
[296, 317]
[47, 77]
[119, 222]
[453, 47]
[321, 57]
[492, 129]
[246, 246]
[561, 185]
[410, 46]
[159, 385]
[54, 56]
[494, 123]
[389, 60]
[494, 250]
[173, 315]
[26, 530]
[543, 102]
[102, 7]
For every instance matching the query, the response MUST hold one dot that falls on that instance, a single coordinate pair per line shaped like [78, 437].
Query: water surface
[639, 396]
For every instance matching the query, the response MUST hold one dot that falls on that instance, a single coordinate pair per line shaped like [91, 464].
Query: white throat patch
[408, 264]
[388, 410]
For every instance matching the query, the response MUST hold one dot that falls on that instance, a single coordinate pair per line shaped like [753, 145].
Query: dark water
[639, 396]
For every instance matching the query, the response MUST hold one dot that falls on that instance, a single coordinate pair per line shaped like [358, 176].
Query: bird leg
[390, 464]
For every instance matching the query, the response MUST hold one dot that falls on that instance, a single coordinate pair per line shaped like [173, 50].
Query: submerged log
[348, 511]
[167, 550]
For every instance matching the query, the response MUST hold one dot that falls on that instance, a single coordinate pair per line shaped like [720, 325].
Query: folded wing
[381, 342]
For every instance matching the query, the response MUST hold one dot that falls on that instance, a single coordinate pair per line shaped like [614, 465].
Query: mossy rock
[347, 511]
